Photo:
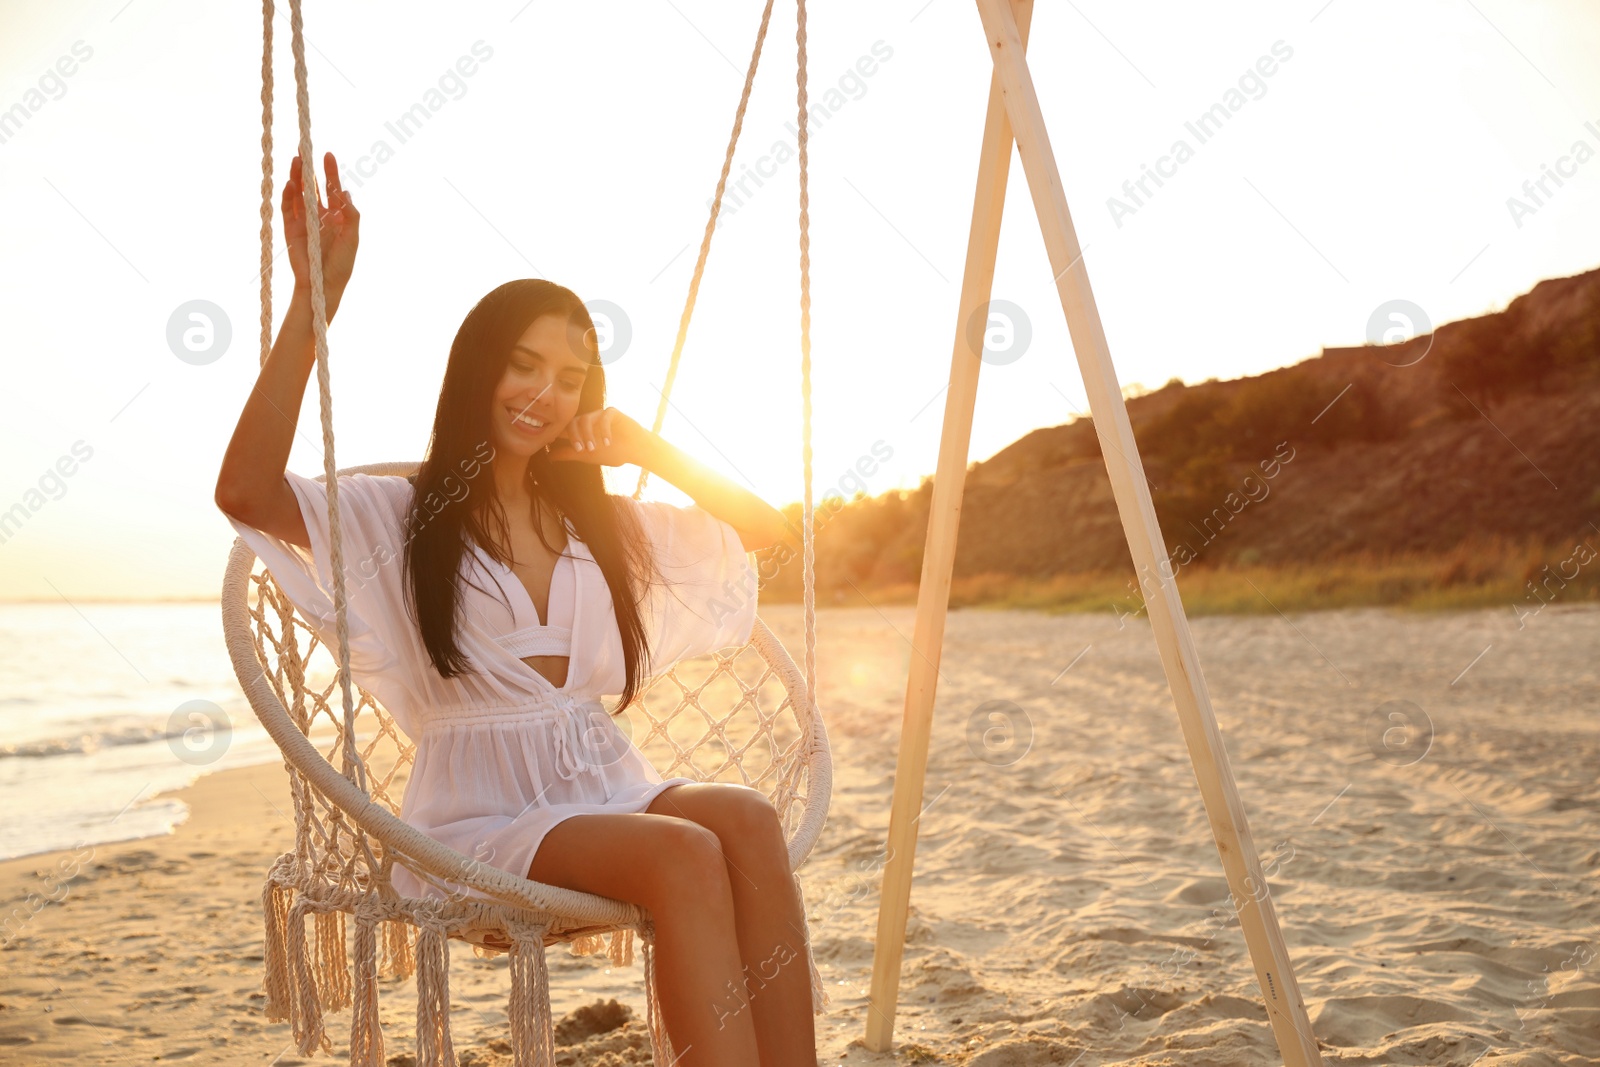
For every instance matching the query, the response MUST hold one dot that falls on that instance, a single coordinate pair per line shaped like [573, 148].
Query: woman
[495, 595]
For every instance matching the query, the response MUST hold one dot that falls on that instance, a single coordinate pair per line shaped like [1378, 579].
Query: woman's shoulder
[655, 520]
[395, 490]
[388, 494]
[658, 510]
[388, 483]
[398, 486]
[681, 535]
[630, 510]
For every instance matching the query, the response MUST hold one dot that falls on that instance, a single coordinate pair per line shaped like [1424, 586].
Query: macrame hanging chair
[743, 714]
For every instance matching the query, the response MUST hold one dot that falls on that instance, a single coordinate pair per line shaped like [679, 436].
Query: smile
[525, 423]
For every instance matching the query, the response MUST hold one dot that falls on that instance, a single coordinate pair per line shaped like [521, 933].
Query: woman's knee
[690, 867]
[741, 816]
[639, 858]
[754, 812]
[749, 827]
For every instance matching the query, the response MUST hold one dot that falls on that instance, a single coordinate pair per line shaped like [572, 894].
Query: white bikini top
[521, 632]
[530, 637]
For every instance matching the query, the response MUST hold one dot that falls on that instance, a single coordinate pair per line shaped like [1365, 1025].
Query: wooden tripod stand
[1014, 112]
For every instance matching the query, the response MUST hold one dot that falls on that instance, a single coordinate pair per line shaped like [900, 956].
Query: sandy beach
[1439, 886]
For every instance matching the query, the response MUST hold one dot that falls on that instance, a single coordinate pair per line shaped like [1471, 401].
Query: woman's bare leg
[675, 868]
[771, 927]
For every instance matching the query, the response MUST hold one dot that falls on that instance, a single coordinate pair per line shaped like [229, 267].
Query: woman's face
[538, 394]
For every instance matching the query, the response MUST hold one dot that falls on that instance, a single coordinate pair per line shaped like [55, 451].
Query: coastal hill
[1476, 446]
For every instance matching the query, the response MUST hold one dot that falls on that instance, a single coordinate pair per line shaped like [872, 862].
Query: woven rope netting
[726, 717]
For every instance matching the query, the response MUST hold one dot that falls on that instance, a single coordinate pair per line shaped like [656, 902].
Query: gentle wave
[89, 742]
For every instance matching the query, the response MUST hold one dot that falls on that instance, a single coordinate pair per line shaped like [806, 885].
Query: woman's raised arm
[611, 438]
[250, 485]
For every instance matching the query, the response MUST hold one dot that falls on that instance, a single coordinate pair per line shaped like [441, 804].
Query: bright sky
[1373, 163]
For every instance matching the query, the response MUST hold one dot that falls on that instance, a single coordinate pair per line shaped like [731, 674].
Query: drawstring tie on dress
[573, 754]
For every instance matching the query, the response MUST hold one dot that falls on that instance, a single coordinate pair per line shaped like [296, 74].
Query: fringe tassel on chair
[819, 993]
[617, 946]
[660, 1043]
[366, 1031]
[532, 1029]
[333, 963]
[398, 961]
[275, 977]
[306, 1021]
[588, 945]
[434, 1048]
[621, 951]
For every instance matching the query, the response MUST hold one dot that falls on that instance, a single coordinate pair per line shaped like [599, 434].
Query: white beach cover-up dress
[505, 754]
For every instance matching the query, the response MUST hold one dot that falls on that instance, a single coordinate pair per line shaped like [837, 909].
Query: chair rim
[418, 849]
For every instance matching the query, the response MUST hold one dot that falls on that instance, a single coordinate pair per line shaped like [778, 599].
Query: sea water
[105, 705]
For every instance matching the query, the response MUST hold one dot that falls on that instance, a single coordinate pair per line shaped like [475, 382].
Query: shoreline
[214, 801]
[273, 758]
[1536, 617]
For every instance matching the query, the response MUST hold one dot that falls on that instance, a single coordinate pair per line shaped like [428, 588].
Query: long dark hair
[458, 471]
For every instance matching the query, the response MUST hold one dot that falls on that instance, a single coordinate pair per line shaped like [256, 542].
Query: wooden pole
[1286, 1011]
[938, 561]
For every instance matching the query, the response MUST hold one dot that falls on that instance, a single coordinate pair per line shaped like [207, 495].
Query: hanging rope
[808, 563]
[266, 180]
[353, 767]
[705, 239]
[808, 551]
